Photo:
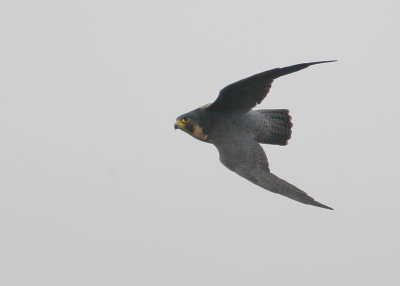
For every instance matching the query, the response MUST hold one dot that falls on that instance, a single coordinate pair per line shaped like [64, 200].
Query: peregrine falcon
[230, 124]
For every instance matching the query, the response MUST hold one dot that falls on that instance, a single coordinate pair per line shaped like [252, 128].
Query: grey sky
[98, 189]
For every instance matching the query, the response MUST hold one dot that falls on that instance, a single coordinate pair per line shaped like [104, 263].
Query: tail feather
[275, 126]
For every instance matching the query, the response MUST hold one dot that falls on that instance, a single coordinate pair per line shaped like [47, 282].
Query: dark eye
[185, 119]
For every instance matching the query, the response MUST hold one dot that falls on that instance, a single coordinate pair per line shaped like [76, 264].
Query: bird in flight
[230, 124]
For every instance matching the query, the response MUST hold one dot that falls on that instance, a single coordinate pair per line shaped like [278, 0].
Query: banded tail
[275, 126]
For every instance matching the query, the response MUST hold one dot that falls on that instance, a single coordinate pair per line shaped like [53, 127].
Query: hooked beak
[178, 124]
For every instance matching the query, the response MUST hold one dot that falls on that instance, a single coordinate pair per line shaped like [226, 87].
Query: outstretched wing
[246, 158]
[244, 94]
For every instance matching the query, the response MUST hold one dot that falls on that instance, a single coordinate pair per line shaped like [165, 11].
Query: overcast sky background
[98, 189]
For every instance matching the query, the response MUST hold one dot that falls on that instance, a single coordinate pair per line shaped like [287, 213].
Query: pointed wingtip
[291, 69]
[317, 204]
[321, 62]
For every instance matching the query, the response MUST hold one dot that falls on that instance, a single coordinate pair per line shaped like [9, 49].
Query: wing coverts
[243, 95]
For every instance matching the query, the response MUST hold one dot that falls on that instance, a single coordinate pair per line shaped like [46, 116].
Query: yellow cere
[179, 123]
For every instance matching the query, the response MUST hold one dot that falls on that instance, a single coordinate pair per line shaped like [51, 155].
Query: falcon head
[190, 123]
